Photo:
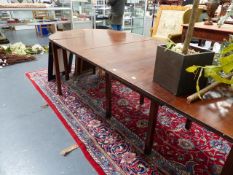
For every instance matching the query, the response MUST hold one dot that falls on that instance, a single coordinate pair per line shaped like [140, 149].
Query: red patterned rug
[115, 146]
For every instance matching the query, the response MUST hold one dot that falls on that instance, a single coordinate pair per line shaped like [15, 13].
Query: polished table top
[225, 28]
[131, 58]
[99, 36]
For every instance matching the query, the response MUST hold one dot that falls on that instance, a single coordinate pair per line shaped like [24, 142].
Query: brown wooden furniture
[209, 32]
[215, 20]
[170, 2]
[130, 59]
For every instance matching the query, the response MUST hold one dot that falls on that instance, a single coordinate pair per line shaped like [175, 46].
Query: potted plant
[222, 72]
[170, 64]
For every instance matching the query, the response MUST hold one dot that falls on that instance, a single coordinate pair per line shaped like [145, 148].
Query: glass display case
[134, 16]
[31, 15]
[151, 11]
[82, 14]
[102, 12]
[133, 20]
[66, 14]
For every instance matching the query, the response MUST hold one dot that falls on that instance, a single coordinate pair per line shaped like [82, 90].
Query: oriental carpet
[115, 146]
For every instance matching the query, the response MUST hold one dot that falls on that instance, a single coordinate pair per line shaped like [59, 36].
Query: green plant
[21, 49]
[221, 72]
[19, 52]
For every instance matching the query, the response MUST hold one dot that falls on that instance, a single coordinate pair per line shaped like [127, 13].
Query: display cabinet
[101, 11]
[82, 14]
[68, 14]
[134, 16]
[151, 11]
[42, 15]
[133, 20]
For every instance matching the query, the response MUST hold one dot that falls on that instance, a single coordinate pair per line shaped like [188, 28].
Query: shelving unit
[133, 20]
[50, 19]
[86, 14]
[134, 16]
[101, 11]
[82, 14]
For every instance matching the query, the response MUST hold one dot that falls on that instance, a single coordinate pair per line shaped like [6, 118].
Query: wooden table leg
[188, 124]
[154, 107]
[56, 63]
[141, 99]
[50, 63]
[77, 70]
[94, 70]
[228, 166]
[70, 61]
[108, 95]
[81, 66]
[76, 66]
[66, 66]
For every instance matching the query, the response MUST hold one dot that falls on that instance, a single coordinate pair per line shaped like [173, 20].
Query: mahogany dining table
[130, 58]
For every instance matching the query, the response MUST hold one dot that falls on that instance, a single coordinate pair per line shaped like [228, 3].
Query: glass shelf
[133, 19]
[82, 14]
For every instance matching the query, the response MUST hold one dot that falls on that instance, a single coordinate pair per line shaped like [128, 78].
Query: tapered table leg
[94, 70]
[188, 124]
[70, 61]
[77, 70]
[141, 99]
[66, 66]
[154, 107]
[108, 95]
[76, 66]
[79, 65]
[50, 63]
[228, 166]
[56, 63]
